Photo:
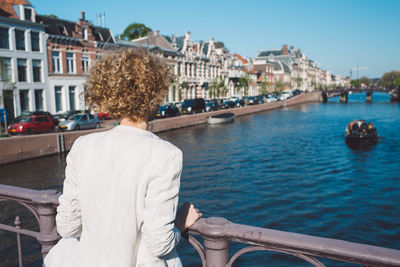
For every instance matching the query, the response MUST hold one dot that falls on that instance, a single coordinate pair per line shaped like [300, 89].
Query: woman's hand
[186, 216]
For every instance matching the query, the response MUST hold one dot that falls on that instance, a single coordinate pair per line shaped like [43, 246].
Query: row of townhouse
[44, 60]
[203, 69]
[294, 70]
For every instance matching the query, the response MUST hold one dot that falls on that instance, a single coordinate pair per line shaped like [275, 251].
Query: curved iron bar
[306, 258]
[30, 207]
[219, 230]
[197, 246]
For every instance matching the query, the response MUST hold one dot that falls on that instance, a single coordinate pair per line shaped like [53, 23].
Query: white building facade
[23, 63]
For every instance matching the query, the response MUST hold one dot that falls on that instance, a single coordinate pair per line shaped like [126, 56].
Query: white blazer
[119, 202]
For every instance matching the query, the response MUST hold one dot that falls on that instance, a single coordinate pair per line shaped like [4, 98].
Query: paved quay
[26, 147]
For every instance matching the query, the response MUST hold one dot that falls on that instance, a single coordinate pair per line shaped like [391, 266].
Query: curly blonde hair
[128, 83]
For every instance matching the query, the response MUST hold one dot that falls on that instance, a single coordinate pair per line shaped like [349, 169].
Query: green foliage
[217, 87]
[134, 31]
[365, 80]
[52, 16]
[279, 87]
[184, 85]
[390, 79]
[264, 86]
[313, 84]
[355, 83]
[299, 80]
[244, 84]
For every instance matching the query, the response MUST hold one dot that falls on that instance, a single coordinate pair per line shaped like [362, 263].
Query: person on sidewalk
[120, 195]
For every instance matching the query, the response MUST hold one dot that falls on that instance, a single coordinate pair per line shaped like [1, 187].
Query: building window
[58, 94]
[37, 70]
[84, 33]
[4, 38]
[20, 39]
[28, 14]
[35, 41]
[85, 64]
[24, 100]
[5, 69]
[70, 63]
[71, 90]
[55, 59]
[21, 70]
[39, 99]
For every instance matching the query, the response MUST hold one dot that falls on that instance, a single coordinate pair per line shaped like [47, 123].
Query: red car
[32, 124]
[103, 116]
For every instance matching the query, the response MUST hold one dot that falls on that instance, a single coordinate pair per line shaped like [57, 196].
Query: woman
[121, 187]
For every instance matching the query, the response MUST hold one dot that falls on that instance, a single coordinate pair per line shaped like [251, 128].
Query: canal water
[287, 169]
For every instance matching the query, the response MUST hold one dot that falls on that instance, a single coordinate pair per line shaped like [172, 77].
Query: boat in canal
[221, 118]
[361, 140]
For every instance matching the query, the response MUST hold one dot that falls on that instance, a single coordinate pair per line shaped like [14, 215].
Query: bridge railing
[43, 205]
[217, 234]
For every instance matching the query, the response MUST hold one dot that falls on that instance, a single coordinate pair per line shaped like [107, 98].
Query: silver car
[79, 122]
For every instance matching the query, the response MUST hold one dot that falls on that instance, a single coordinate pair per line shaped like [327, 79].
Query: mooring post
[368, 96]
[343, 97]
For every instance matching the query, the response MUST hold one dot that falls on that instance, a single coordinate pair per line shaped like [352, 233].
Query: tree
[365, 80]
[279, 87]
[356, 83]
[134, 31]
[264, 86]
[244, 84]
[390, 79]
[313, 84]
[217, 87]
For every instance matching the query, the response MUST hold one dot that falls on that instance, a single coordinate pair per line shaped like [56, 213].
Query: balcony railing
[217, 233]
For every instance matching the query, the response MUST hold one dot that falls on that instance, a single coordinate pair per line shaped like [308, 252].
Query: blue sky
[338, 34]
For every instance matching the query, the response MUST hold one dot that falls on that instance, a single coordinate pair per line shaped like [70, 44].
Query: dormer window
[28, 14]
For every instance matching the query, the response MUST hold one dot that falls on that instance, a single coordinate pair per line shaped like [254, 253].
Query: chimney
[298, 52]
[82, 15]
[291, 47]
[157, 33]
[284, 50]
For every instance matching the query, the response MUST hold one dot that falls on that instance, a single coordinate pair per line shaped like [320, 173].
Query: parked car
[296, 92]
[252, 100]
[228, 104]
[25, 114]
[80, 121]
[212, 105]
[32, 124]
[103, 116]
[285, 95]
[239, 102]
[65, 115]
[190, 106]
[270, 99]
[166, 111]
[260, 99]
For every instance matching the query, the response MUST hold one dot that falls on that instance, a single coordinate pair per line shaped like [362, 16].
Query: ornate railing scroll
[42, 204]
[218, 233]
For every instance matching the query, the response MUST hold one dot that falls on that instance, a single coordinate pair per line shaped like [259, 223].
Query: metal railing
[42, 204]
[217, 234]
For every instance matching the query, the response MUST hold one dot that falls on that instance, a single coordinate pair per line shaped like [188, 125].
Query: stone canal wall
[27, 147]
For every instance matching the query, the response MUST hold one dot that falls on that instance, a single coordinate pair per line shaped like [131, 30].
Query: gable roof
[7, 7]
[56, 26]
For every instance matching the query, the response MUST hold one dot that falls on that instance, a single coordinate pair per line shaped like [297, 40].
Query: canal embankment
[26, 147]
